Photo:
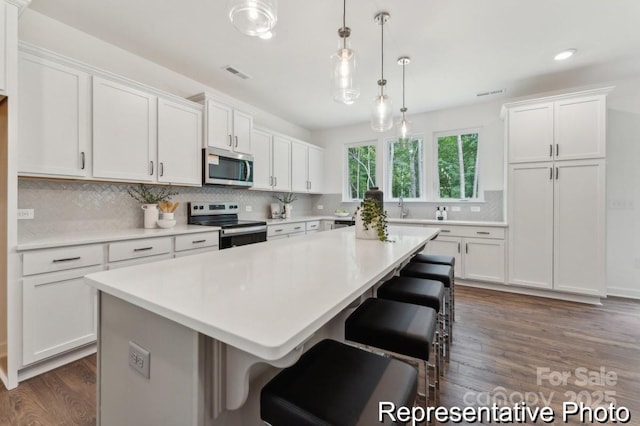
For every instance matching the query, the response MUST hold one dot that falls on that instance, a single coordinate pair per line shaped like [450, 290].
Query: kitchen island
[211, 322]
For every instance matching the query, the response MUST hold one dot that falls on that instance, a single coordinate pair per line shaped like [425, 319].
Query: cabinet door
[261, 151]
[579, 220]
[53, 118]
[531, 224]
[484, 259]
[580, 128]
[124, 132]
[58, 313]
[298, 167]
[447, 246]
[219, 125]
[316, 169]
[530, 133]
[281, 164]
[179, 143]
[242, 127]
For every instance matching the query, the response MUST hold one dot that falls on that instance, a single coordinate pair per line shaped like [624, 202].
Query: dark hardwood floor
[505, 346]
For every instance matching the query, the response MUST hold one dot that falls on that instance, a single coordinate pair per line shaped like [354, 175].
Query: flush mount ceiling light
[253, 17]
[381, 114]
[565, 54]
[344, 66]
[404, 124]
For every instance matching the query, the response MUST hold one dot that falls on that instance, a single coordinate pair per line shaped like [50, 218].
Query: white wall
[42, 31]
[485, 116]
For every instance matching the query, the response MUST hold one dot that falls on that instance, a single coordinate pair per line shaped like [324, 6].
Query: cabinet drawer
[313, 225]
[124, 250]
[196, 241]
[51, 260]
[285, 228]
[472, 231]
[138, 261]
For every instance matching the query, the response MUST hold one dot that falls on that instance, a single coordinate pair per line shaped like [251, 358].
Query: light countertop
[267, 298]
[416, 221]
[95, 237]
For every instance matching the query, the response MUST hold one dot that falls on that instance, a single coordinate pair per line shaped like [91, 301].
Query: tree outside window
[458, 165]
[406, 168]
[361, 165]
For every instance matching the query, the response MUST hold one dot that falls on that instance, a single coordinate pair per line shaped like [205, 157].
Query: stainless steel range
[224, 214]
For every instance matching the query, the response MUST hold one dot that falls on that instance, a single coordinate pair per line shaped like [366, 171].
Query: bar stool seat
[414, 290]
[337, 384]
[402, 329]
[437, 259]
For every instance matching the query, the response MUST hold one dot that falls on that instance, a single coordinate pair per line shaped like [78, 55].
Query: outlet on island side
[139, 359]
[26, 213]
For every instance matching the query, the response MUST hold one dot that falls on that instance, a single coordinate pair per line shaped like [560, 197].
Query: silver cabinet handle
[143, 248]
[297, 227]
[445, 230]
[82, 160]
[557, 173]
[161, 169]
[66, 259]
[275, 181]
[151, 168]
[551, 173]
[458, 247]
[483, 232]
[198, 241]
[550, 150]
[230, 140]
[236, 141]
[466, 247]
[270, 180]
[278, 230]
[557, 149]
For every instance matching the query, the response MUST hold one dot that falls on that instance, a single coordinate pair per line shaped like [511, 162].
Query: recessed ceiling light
[565, 54]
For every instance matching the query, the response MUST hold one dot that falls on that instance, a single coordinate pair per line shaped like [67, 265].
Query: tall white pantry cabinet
[556, 192]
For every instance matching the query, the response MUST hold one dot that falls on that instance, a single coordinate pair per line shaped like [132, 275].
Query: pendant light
[344, 66]
[404, 124]
[253, 17]
[381, 113]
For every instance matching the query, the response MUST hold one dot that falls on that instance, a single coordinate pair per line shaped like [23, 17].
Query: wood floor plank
[500, 341]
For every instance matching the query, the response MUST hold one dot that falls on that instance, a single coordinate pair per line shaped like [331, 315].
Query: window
[405, 162]
[457, 173]
[361, 169]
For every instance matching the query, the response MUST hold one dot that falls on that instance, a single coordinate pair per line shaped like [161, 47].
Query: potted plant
[287, 200]
[149, 198]
[371, 221]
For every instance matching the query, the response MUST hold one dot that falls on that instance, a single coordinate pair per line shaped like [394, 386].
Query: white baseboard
[591, 300]
[55, 362]
[623, 292]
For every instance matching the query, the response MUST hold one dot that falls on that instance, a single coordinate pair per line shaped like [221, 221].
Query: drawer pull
[278, 230]
[483, 232]
[445, 230]
[143, 249]
[198, 241]
[67, 259]
[298, 227]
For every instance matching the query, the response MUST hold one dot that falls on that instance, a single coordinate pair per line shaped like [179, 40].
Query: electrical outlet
[139, 359]
[455, 208]
[26, 213]
[320, 207]
[475, 208]
[248, 208]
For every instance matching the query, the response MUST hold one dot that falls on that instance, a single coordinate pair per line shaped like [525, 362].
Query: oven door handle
[245, 230]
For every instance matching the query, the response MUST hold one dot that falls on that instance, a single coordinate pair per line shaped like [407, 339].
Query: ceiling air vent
[236, 72]
[492, 92]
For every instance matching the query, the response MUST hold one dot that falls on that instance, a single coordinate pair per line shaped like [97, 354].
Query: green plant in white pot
[371, 221]
[149, 198]
[287, 200]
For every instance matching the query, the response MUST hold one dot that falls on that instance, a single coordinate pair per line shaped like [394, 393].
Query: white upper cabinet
[281, 164]
[53, 119]
[124, 132]
[562, 128]
[307, 163]
[3, 47]
[271, 161]
[179, 143]
[242, 126]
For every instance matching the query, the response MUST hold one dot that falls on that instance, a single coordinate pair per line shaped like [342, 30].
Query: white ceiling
[458, 48]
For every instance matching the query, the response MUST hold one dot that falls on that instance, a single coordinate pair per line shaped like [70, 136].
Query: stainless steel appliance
[220, 167]
[224, 214]
[342, 223]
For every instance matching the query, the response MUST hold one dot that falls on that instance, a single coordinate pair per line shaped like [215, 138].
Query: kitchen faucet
[404, 212]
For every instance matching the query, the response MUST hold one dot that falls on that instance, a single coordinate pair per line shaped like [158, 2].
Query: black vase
[377, 195]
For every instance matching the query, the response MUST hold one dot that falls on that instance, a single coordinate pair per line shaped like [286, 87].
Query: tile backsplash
[74, 206]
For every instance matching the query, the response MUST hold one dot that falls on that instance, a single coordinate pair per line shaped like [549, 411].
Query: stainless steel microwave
[220, 167]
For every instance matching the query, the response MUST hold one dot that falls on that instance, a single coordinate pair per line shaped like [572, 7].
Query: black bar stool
[336, 384]
[422, 292]
[402, 330]
[439, 259]
[442, 273]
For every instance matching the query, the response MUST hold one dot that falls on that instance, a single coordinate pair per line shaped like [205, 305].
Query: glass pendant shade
[344, 67]
[253, 17]
[381, 113]
[404, 128]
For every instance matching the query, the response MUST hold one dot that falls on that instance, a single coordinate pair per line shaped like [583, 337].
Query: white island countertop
[264, 298]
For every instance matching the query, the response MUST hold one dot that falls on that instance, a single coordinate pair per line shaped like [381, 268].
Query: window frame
[387, 167]
[435, 175]
[346, 190]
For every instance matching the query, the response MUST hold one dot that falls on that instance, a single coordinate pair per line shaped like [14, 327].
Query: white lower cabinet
[285, 230]
[189, 244]
[479, 251]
